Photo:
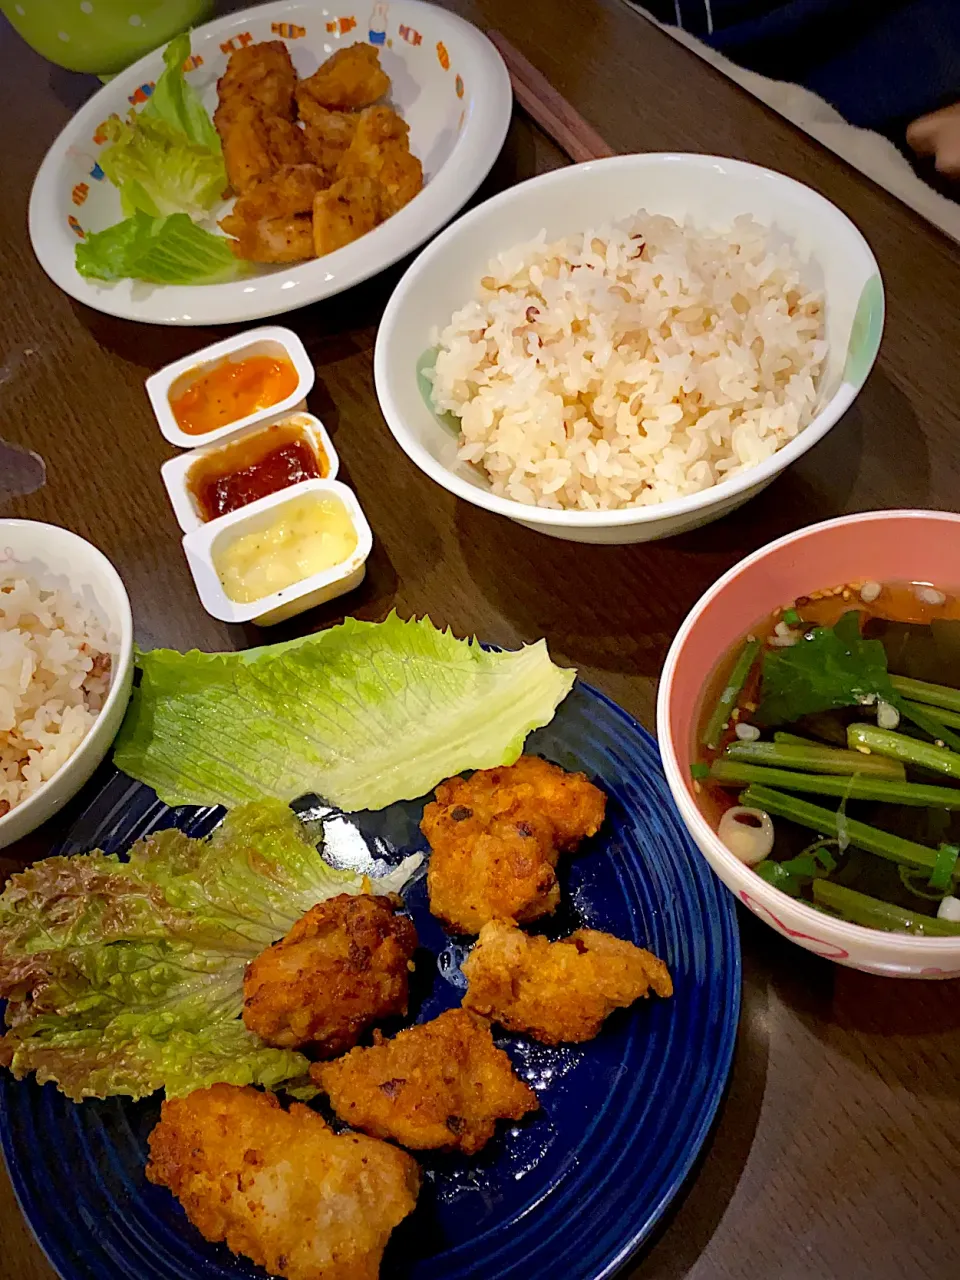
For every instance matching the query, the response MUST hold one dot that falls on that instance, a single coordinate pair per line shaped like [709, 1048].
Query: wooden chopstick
[549, 108]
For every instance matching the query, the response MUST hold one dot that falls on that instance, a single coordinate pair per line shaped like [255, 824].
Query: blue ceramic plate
[570, 1192]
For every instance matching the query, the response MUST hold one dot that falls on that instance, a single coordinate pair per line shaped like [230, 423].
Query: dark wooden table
[836, 1154]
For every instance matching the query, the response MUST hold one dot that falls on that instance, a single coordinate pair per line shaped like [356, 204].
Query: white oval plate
[449, 84]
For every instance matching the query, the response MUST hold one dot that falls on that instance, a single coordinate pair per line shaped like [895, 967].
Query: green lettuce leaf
[170, 250]
[127, 977]
[166, 158]
[157, 170]
[175, 101]
[362, 714]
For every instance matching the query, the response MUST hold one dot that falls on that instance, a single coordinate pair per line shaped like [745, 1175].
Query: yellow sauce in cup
[307, 535]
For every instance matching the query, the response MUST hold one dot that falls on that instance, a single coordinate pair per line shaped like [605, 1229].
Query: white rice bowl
[55, 674]
[633, 364]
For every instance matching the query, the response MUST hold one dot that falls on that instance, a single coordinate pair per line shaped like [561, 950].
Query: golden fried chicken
[378, 176]
[272, 240]
[507, 869]
[380, 149]
[327, 135]
[351, 78]
[273, 219]
[557, 991]
[344, 213]
[280, 1186]
[259, 75]
[343, 966]
[257, 145]
[496, 837]
[288, 191]
[441, 1085]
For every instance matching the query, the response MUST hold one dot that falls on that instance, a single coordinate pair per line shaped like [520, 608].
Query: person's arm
[938, 135]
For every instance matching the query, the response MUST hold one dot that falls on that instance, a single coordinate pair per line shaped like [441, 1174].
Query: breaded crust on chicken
[496, 837]
[280, 1187]
[351, 78]
[257, 145]
[343, 966]
[441, 1085]
[557, 991]
[260, 75]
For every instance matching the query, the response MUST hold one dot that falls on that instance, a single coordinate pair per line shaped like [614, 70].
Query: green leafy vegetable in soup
[829, 667]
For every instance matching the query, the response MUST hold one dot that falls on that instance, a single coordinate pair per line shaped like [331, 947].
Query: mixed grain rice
[54, 678]
[633, 364]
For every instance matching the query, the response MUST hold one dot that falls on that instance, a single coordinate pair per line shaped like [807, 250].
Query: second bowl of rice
[66, 669]
[621, 350]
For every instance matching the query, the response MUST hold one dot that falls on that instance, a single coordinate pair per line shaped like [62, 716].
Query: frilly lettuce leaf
[362, 714]
[127, 977]
[166, 158]
[157, 170]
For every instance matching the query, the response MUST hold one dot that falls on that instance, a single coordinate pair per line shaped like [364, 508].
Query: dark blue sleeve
[881, 63]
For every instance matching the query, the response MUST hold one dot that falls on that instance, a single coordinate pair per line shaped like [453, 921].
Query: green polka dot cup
[101, 36]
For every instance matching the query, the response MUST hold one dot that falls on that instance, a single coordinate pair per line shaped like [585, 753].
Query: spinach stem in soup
[858, 908]
[829, 822]
[922, 718]
[732, 773]
[730, 693]
[937, 714]
[794, 740]
[897, 746]
[936, 695]
[813, 759]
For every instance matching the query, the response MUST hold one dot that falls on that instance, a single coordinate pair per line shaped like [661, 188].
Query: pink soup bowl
[882, 546]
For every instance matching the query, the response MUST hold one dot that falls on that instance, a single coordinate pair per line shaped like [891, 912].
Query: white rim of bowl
[123, 657]
[690, 812]
[392, 318]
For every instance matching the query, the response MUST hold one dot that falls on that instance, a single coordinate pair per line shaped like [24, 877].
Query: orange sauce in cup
[230, 390]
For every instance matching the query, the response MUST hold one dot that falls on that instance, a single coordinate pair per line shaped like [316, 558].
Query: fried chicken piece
[557, 991]
[255, 146]
[343, 966]
[344, 213]
[378, 176]
[506, 870]
[380, 149]
[273, 219]
[288, 191]
[272, 239]
[327, 135]
[259, 75]
[280, 1186]
[571, 805]
[496, 838]
[441, 1085]
[349, 79]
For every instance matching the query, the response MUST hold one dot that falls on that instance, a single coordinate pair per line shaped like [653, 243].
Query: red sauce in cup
[250, 468]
